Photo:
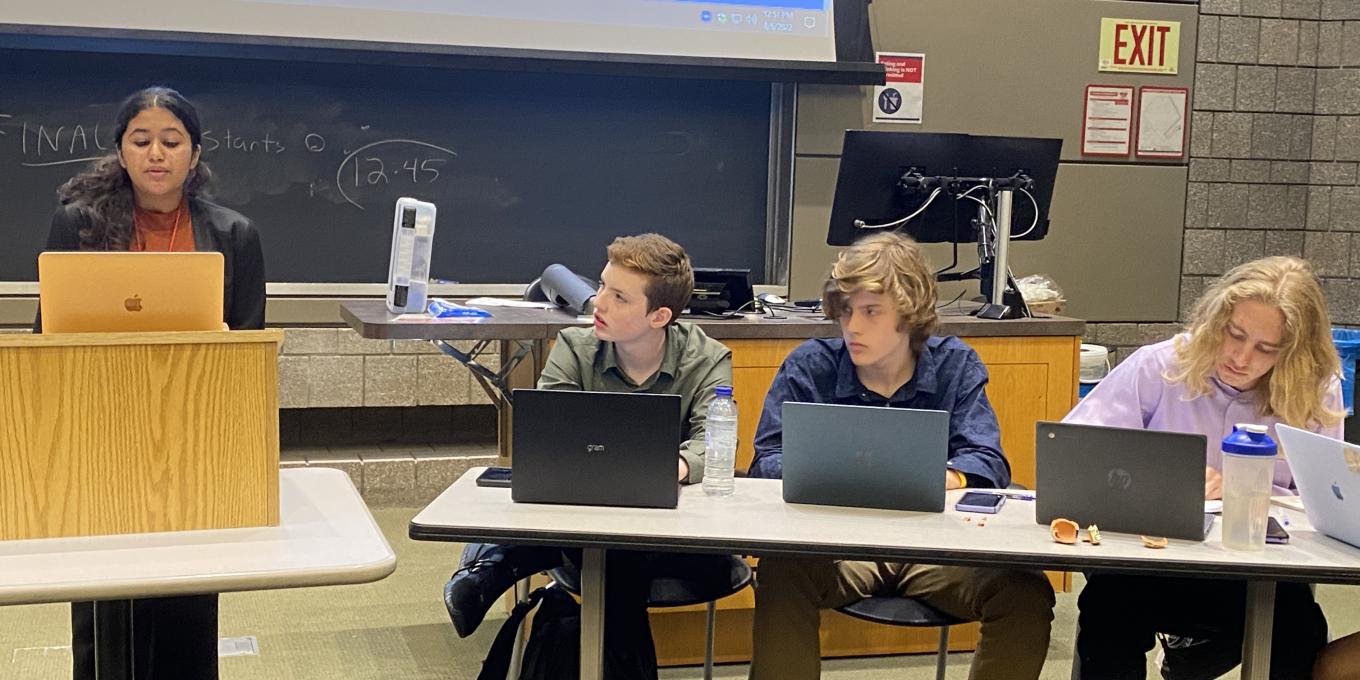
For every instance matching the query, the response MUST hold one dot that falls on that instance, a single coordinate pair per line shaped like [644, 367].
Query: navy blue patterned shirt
[949, 377]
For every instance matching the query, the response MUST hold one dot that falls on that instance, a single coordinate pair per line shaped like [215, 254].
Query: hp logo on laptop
[1119, 479]
[594, 448]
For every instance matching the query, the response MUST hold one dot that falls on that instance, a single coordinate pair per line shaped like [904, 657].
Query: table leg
[113, 640]
[523, 373]
[592, 613]
[522, 634]
[1257, 634]
[512, 373]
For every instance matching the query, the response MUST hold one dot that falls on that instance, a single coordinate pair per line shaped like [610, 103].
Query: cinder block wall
[1274, 150]
[402, 419]
[335, 367]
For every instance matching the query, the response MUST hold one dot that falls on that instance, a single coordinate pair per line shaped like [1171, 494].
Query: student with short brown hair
[882, 293]
[636, 344]
[670, 278]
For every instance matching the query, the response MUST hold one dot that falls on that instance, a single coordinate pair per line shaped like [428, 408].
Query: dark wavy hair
[103, 193]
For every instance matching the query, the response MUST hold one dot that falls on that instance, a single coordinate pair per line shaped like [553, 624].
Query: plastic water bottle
[1248, 468]
[720, 443]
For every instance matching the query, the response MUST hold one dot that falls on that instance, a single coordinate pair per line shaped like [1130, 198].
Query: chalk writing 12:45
[372, 170]
[421, 159]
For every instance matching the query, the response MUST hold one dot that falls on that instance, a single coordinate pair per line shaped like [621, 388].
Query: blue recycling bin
[1347, 343]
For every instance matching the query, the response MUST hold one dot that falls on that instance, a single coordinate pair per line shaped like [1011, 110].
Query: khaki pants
[1015, 608]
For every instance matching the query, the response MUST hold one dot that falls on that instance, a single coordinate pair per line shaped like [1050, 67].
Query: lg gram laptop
[1327, 472]
[81, 292]
[1134, 481]
[865, 456]
[596, 448]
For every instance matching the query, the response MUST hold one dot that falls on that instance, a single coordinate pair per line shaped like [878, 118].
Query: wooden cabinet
[1032, 378]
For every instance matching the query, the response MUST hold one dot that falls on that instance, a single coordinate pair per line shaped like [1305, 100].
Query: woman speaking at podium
[147, 196]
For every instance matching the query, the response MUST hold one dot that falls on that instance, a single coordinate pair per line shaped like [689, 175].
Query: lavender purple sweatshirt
[1135, 395]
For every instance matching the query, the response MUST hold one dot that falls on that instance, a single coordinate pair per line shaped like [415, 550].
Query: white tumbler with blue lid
[1248, 469]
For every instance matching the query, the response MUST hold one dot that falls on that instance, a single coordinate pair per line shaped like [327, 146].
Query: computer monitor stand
[993, 227]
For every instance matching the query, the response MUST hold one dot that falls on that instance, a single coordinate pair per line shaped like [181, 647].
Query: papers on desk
[1213, 507]
[507, 302]
[1289, 502]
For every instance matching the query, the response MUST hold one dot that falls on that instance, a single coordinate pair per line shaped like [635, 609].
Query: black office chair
[896, 610]
[678, 591]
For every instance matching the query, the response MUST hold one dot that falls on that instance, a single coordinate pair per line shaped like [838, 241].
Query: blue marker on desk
[444, 309]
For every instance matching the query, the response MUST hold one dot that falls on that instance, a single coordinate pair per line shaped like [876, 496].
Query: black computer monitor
[721, 291]
[873, 162]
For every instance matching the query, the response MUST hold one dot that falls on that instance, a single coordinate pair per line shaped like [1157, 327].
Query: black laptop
[1128, 480]
[596, 448]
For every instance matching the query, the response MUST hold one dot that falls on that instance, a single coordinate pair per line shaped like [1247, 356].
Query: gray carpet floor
[397, 629]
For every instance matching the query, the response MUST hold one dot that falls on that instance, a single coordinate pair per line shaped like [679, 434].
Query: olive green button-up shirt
[693, 365]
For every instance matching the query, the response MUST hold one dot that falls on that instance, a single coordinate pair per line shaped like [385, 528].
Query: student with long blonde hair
[1258, 349]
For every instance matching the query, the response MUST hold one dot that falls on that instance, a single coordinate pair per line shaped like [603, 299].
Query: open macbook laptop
[596, 448]
[1327, 472]
[1134, 481]
[82, 292]
[865, 456]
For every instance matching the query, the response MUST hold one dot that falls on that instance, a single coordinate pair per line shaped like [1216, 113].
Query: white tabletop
[326, 536]
[757, 521]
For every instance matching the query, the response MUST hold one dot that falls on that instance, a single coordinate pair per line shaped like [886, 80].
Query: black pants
[174, 638]
[1120, 616]
[629, 651]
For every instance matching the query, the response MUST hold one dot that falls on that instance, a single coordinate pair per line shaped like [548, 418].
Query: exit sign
[1140, 46]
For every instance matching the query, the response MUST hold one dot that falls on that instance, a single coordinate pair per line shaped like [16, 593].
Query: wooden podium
[115, 433]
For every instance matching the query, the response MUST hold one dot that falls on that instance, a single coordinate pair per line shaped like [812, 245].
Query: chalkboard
[526, 168]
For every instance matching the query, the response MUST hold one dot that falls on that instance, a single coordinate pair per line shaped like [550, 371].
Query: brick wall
[335, 367]
[1274, 151]
[401, 418]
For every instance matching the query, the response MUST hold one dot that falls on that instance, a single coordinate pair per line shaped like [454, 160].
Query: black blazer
[215, 228]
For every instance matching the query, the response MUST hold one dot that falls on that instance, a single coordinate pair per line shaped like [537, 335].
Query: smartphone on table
[495, 476]
[976, 501]
[1274, 532]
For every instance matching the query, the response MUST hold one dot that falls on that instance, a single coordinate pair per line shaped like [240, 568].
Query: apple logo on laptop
[133, 304]
[1336, 491]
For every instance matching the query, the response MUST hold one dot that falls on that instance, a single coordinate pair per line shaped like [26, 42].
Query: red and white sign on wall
[900, 100]
[1140, 46]
[1107, 124]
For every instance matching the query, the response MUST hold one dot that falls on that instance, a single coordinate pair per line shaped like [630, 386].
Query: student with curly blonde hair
[882, 293]
[1258, 349]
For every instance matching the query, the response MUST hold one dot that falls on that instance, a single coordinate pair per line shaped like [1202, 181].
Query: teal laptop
[865, 456]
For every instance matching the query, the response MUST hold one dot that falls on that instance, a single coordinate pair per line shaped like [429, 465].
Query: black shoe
[486, 572]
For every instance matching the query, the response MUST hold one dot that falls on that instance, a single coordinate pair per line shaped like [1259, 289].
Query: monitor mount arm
[993, 227]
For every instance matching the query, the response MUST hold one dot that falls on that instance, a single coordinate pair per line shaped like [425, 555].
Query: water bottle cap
[723, 390]
[1249, 439]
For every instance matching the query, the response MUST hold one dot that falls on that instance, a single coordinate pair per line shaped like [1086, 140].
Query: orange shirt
[162, 232]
